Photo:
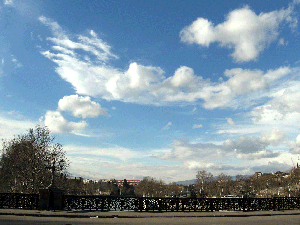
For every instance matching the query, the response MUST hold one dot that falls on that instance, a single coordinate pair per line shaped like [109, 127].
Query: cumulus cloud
[252, 147]
[245, 144]
[58, 124]
[247, 33]
[81, 106]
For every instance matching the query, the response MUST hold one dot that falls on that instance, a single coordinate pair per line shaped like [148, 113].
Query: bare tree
[22, 166]
[150, 187]
[203, 179]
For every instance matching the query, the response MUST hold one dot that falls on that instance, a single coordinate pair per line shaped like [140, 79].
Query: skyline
[155, 88]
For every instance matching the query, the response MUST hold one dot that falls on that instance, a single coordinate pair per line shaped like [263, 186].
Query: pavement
[128, 214]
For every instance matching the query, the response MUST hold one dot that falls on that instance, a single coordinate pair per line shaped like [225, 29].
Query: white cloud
[8, 2]
[16, 62]
[189, 156]
[230, 122]
[242, 148]
[295, 145]
[118, 152]
[147, 84]
[81, 106]
[58, 124]
[273, 137]
[282, 109]
[11, 125]
[252, 147]
[195, 126]
[183, 150]
[244, 31]
[240, 82]
[281, 41]
[168, 125]
[92, 44]
[245, 144]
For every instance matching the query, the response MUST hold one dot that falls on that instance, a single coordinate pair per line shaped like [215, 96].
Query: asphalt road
[265, 220]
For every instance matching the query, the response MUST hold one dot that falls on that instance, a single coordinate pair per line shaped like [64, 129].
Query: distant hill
[193, 181]
[186, 182]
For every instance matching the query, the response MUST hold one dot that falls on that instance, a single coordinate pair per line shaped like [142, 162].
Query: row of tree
[258, 185]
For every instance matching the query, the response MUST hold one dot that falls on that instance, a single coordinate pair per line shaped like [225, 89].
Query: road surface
[265, 220]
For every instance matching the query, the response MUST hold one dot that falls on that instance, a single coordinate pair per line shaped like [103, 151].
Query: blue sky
[155, 88]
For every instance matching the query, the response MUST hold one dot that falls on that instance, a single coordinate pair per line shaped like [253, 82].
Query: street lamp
[53, 165]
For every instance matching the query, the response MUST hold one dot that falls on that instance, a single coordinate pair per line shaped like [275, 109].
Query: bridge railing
[144, 204]
[111, 203]
[18, 201]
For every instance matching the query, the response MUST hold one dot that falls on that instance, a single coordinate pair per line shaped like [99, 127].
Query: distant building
[257, 174]
[130, 182]
[75, 179]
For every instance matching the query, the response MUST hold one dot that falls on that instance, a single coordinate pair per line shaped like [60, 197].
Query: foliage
[22, 167]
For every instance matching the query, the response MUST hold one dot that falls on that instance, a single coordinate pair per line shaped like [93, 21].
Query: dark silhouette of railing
[110, 203]
[18, 201]
[145, 204]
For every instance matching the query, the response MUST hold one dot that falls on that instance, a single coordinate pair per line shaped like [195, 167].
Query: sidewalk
[126, 214]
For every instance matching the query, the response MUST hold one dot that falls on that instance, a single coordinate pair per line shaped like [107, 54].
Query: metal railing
[145, 204]
[18, 201]
[111, 203]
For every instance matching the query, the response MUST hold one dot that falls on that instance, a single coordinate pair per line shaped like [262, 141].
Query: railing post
[177, 204]
[211, 204]
[244, 204]
[141, 204]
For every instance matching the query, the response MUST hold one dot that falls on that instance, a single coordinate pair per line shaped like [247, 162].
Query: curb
[146, 216]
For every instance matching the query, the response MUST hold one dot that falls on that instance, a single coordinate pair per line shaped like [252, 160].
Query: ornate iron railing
[19, 201]
[119, 203]
[111, 203]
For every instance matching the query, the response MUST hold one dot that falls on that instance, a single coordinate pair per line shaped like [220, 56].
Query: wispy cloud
[11, 124]
[195, 126]
[9, 2]
[168, 125]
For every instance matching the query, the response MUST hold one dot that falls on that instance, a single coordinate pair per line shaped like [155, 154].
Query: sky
[155, 88]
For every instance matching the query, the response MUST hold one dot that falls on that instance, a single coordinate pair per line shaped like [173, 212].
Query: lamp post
[51, 198]
[53, 165]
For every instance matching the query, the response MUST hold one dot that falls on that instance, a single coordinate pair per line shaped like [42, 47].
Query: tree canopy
[22, 167]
